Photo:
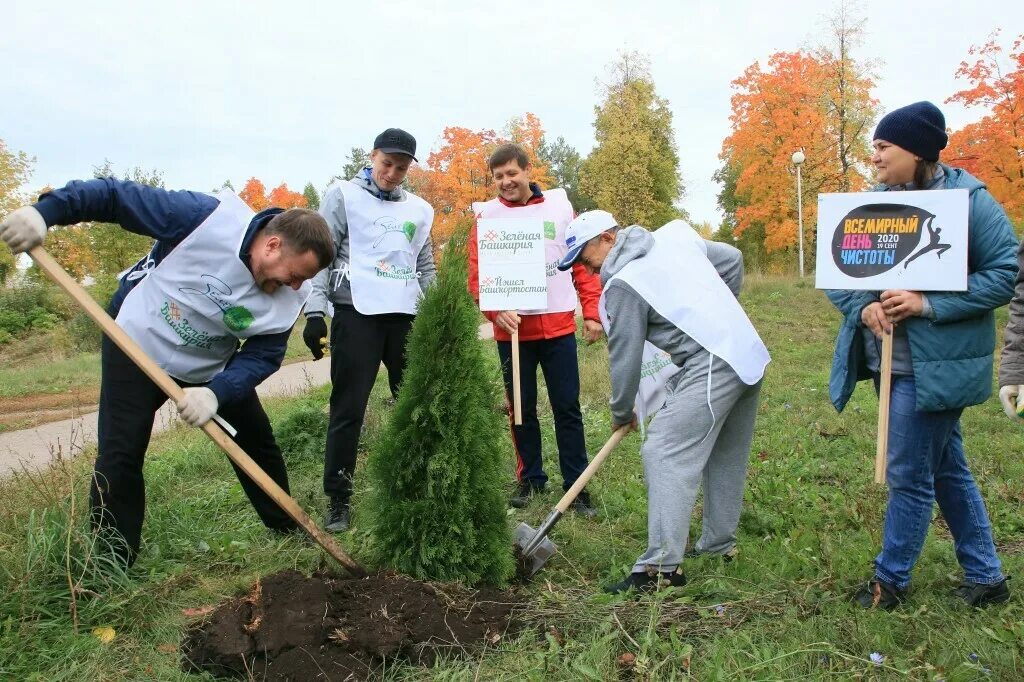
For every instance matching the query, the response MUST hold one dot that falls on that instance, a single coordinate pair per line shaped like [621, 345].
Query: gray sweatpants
[687, 444]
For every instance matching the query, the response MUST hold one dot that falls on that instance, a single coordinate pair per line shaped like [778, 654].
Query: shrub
[301, 434]
[31, 306]
[437, 472]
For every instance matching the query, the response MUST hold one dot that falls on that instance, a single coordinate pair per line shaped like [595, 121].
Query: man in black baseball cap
[384, 261]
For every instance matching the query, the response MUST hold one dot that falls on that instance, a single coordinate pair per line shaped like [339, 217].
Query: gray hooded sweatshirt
[633, 321]
[329, 285]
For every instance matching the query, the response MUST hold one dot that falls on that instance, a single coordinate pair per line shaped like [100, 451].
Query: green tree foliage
[312, 196]
[564, 164]
[750, 241]
[102, 250]
[438, 470]
[15, 168]
[633, 172]
[115, 248]
[357, 160]
[849, 107]
[32, 306]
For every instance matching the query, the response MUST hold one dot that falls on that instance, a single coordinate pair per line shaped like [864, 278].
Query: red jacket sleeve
[588, 288]
[474, 271]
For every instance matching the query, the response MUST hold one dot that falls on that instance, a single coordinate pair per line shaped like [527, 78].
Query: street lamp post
[798, 160]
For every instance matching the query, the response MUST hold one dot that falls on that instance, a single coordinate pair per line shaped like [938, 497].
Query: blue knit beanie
[920, 128]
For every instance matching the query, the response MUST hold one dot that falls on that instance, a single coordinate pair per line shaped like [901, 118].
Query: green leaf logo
[409, 228]
[549, 230]
[237, 318]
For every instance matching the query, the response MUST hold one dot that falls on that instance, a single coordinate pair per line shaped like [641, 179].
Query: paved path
[34, 448]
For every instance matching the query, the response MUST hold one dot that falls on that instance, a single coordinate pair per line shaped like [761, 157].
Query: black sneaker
[582, 505]
[645, 582]
[524, 492]
[337, 516]
[979, 595]
[879, 594]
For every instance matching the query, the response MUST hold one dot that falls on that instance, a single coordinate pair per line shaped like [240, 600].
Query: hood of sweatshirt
[633, 242]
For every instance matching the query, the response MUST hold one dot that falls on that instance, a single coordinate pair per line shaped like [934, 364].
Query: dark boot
[337, 515]
[645, 582]
[582, 505]
[879, 594]
[524, 492]
[979, 595]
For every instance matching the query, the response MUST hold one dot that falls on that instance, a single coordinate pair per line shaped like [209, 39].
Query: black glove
[315, 335]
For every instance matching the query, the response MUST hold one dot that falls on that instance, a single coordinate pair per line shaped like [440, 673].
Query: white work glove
[23, 229]
[198, 406]
[1012, 398]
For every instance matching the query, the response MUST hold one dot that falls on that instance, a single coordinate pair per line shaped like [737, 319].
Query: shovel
[48, 265]
[534, 545]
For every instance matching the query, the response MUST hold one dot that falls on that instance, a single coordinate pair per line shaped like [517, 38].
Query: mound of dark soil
[293, 627]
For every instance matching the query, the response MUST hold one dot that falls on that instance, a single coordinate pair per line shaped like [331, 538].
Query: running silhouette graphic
[933, 243]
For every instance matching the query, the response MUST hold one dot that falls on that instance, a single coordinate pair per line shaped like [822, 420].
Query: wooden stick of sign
[517, 398]
[48, 265]
[884, 391]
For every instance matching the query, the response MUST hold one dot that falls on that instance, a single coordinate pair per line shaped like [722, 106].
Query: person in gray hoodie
[384, 261]
[679, 345]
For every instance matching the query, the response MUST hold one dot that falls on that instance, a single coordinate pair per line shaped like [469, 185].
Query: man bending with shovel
[680, 345]
[212, 304]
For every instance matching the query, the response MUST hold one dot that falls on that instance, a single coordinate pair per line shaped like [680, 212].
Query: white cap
[581, 230]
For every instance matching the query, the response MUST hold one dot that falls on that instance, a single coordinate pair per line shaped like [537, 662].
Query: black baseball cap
[396, 141]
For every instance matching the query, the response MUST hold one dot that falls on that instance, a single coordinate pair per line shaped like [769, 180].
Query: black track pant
[359, 343]
[128, 404]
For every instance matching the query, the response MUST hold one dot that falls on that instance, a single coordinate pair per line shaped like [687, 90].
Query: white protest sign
[893, 240]
[512, 264]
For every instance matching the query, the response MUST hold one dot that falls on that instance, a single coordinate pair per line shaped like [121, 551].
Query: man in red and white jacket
[546, 337]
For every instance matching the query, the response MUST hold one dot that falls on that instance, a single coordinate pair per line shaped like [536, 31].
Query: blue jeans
[557, 359]
[927, 465]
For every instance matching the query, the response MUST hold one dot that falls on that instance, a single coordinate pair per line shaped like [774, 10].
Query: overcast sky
[208, 91]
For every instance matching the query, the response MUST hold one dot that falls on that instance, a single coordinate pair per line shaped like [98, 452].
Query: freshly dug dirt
[293, 627]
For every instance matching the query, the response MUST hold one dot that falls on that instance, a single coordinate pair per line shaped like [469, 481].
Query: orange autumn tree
[454, 177]
[282, 197]
[254, 194]
[456, 174]
[775, 112]
[800, 101]
[993, 148]
[526, 130]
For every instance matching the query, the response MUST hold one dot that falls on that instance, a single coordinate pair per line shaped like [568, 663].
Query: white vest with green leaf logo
[192, 309]
[386, 238]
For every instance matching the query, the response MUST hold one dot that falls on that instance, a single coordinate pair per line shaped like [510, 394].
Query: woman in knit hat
[942, 362]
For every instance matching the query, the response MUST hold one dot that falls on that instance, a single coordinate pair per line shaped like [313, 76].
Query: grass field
[811, 526]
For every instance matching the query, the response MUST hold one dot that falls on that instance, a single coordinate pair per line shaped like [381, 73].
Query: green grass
[58, 374]
[811, 525]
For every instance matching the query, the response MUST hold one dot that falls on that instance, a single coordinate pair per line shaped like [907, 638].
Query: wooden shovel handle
[517, 392]
[166, 384]
[588, 473]
[884, 392]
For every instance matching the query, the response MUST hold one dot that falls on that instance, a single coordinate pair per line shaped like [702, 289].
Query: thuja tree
[437, 471]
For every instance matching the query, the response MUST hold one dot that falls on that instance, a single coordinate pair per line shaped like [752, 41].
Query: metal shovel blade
[530, 563]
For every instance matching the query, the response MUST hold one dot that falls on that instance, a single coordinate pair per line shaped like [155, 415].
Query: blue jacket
[168, 217]
[952, 354]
